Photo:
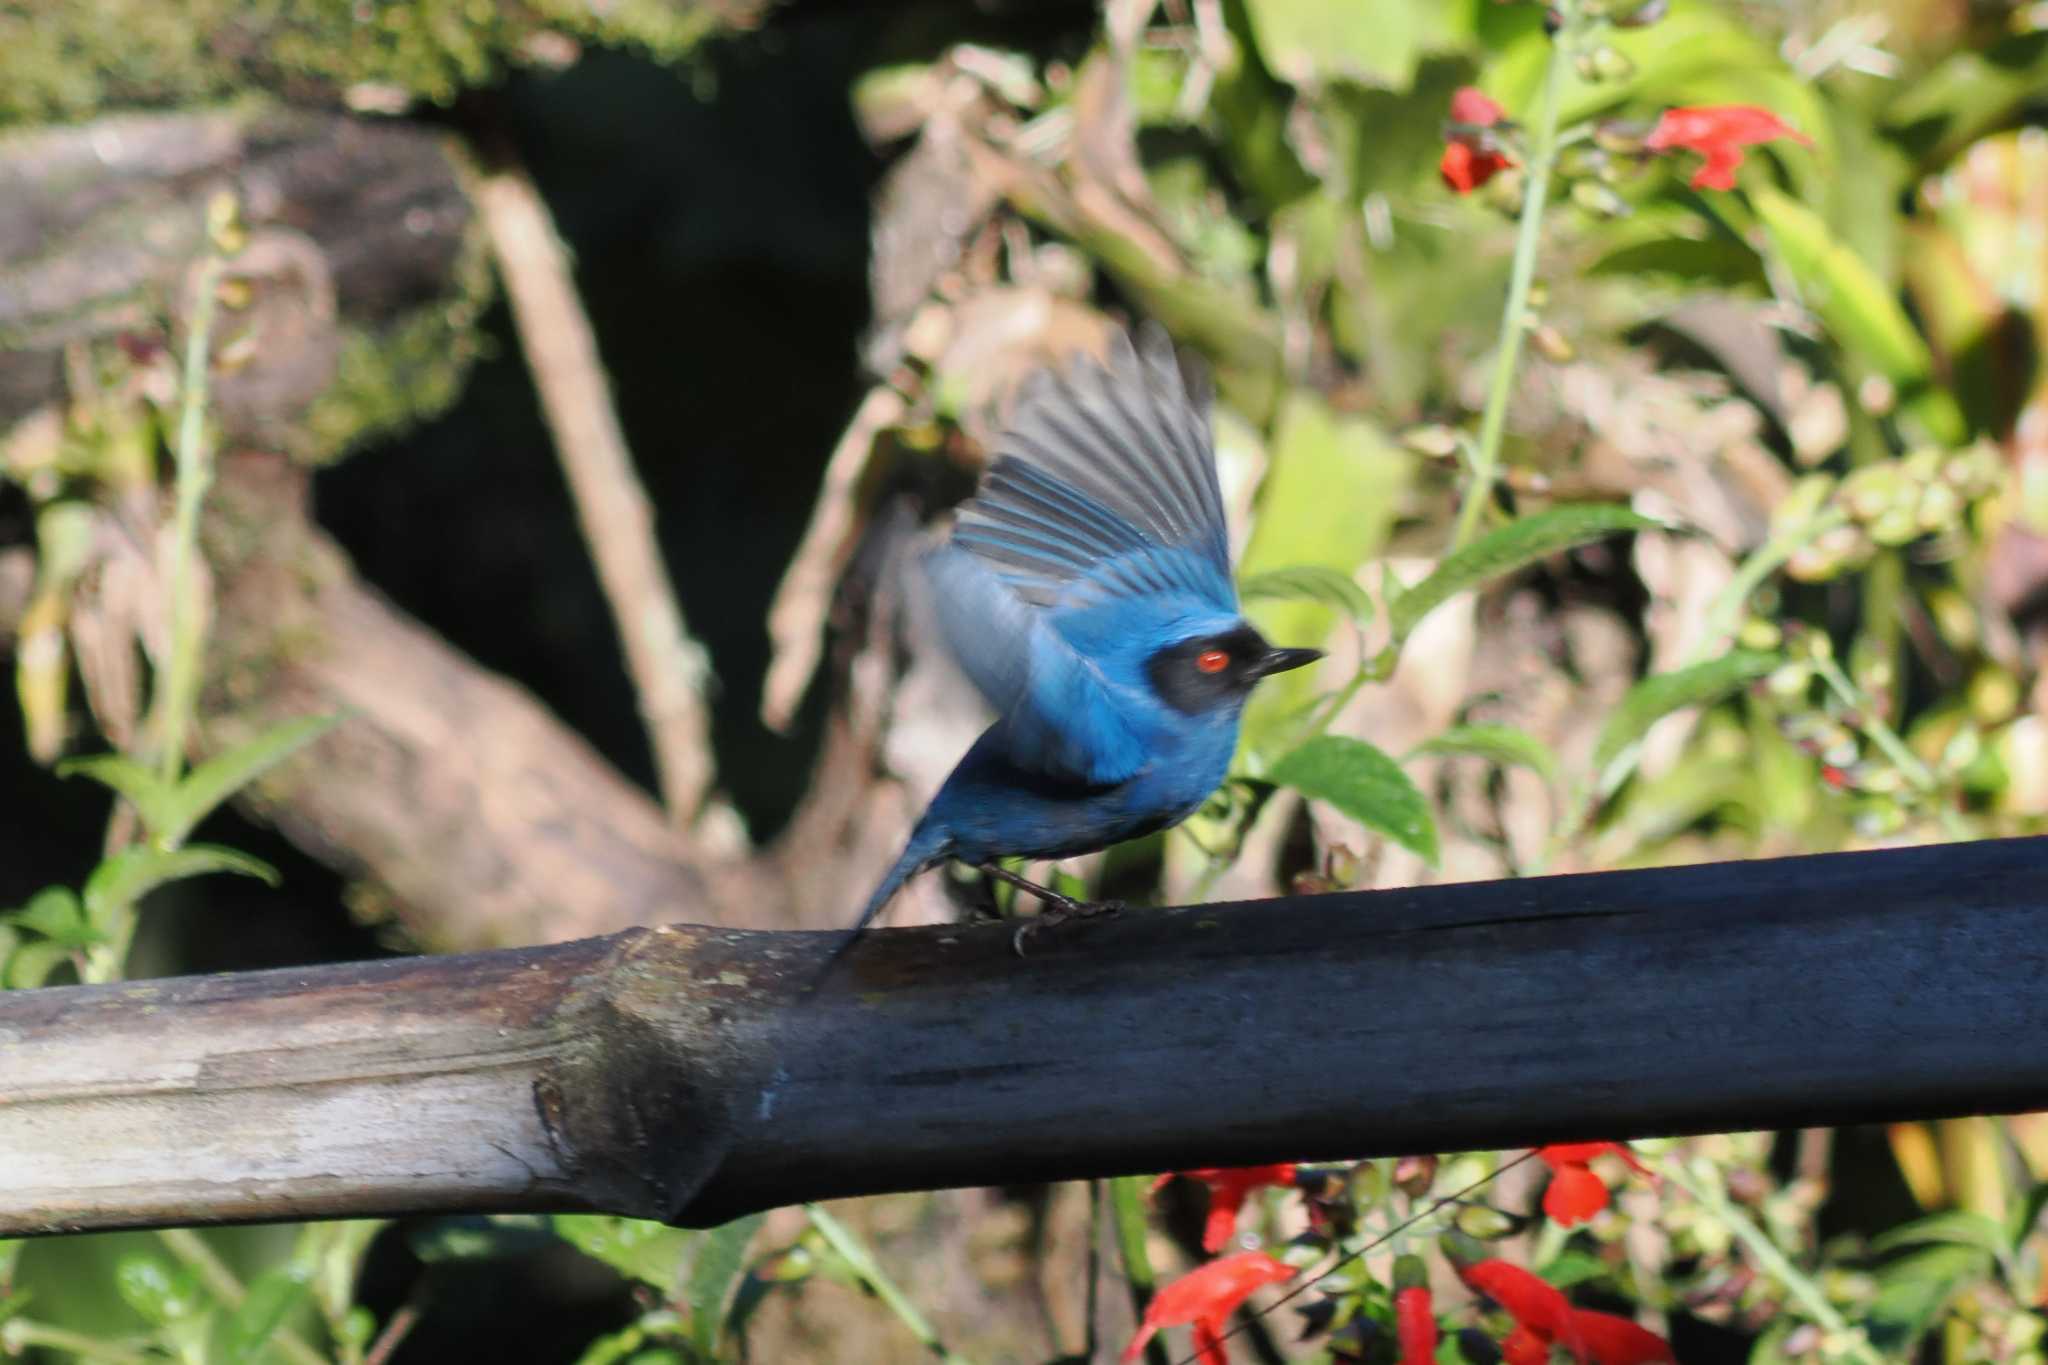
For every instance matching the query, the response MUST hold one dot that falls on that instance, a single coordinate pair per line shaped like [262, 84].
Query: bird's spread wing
[1101, 470]
[1104, 488]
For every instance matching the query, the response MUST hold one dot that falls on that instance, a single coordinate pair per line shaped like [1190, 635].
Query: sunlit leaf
[1500, 744]
[1861, 311]
[1310, 583]
[133, 873]
[1366, 785]
[1958, 1227]
[1521, 542]
[30, 964]
[716, 1266]
[478, 1237]
[1328, 498]
[156, 1289]
[55, 913]
[1656, 697]
[219, 778]
[636, 1248]
[241, 1335]
[142, 787]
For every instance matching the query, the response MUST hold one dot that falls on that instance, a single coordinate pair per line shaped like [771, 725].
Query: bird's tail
[926, 847]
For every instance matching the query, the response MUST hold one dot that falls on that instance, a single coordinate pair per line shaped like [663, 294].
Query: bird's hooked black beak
[1283, 660]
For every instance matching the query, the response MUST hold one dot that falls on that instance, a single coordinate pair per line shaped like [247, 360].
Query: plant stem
[195, 473]
[1881, 734]
[1515, 316]
[1769, 1259]
[22, 1333]
[849, 1249]
[189, 1247]
[1127, 1207]
[1750, 574]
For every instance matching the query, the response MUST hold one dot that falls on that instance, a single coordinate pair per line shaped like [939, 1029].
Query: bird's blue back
[1096, 541]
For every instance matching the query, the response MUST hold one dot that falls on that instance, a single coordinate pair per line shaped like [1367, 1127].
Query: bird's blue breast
[993, 807]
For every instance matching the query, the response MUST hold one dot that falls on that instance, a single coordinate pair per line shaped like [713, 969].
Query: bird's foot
[1060, 911]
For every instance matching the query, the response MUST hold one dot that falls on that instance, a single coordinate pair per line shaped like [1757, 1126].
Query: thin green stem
[1772, 1261]
[195, 474]
[1127, 1207]
[22, 1333]
[1881, 734]
[189, 1247]
[850, 1249]
[1543, 145]
[1763, 561]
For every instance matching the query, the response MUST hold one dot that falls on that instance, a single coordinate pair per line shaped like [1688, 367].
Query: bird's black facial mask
[1213, 671]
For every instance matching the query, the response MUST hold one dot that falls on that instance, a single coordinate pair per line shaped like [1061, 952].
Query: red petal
[1719, 125]
[1531, 1302]
[1221, 1223]
[1470, 106]
[1415, 1325]
[1524, 1347]
[1228, 1186]
[1575, 1195]
[1612, 1340]
[1465, 168]
[1579, 1153]
[1214, 1291]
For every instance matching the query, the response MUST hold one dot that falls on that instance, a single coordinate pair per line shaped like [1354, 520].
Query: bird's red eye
[1213, 660]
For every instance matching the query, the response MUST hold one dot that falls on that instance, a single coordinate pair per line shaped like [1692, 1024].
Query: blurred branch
[669, 668]
[17, 581]
[692, 1074]
[796, 618]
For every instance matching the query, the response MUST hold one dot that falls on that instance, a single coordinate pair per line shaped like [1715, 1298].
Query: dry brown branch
[668, 667]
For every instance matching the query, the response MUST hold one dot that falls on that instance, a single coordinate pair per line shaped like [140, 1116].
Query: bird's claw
[1060, 912]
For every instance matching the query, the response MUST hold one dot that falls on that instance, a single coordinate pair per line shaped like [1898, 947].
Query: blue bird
[1086, 591]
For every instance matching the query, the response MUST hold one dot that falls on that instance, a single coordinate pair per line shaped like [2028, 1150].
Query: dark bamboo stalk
[695, 1074]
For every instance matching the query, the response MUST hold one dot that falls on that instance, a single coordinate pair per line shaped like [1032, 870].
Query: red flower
[1718, 132]
[1524, 1347]
[1544, 1318]
[1617, 1341]
[1472, 156]
[1206, 1297]
[1228, 1186]
[1575, 1193]
[1415, 1325]
[1535, 1305]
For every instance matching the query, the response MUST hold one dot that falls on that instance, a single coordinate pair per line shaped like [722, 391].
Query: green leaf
[1310, 583]
[143, 788]
[1860, 310]
[240, 1336]
[1366, 785]
[1522, 541]
[219, 778]
[133, 873]
[1656, 697]
[54, 912]
[1958, 1227]
[1312, 42]
[30, 965]
[1329, 497]
[720, 1260]
[157, 1290]
[1913, 1290]
[1501, 744]
[478, 1237]
[636, 1248]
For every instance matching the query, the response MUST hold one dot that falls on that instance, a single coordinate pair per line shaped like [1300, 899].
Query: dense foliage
[1647, 403]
